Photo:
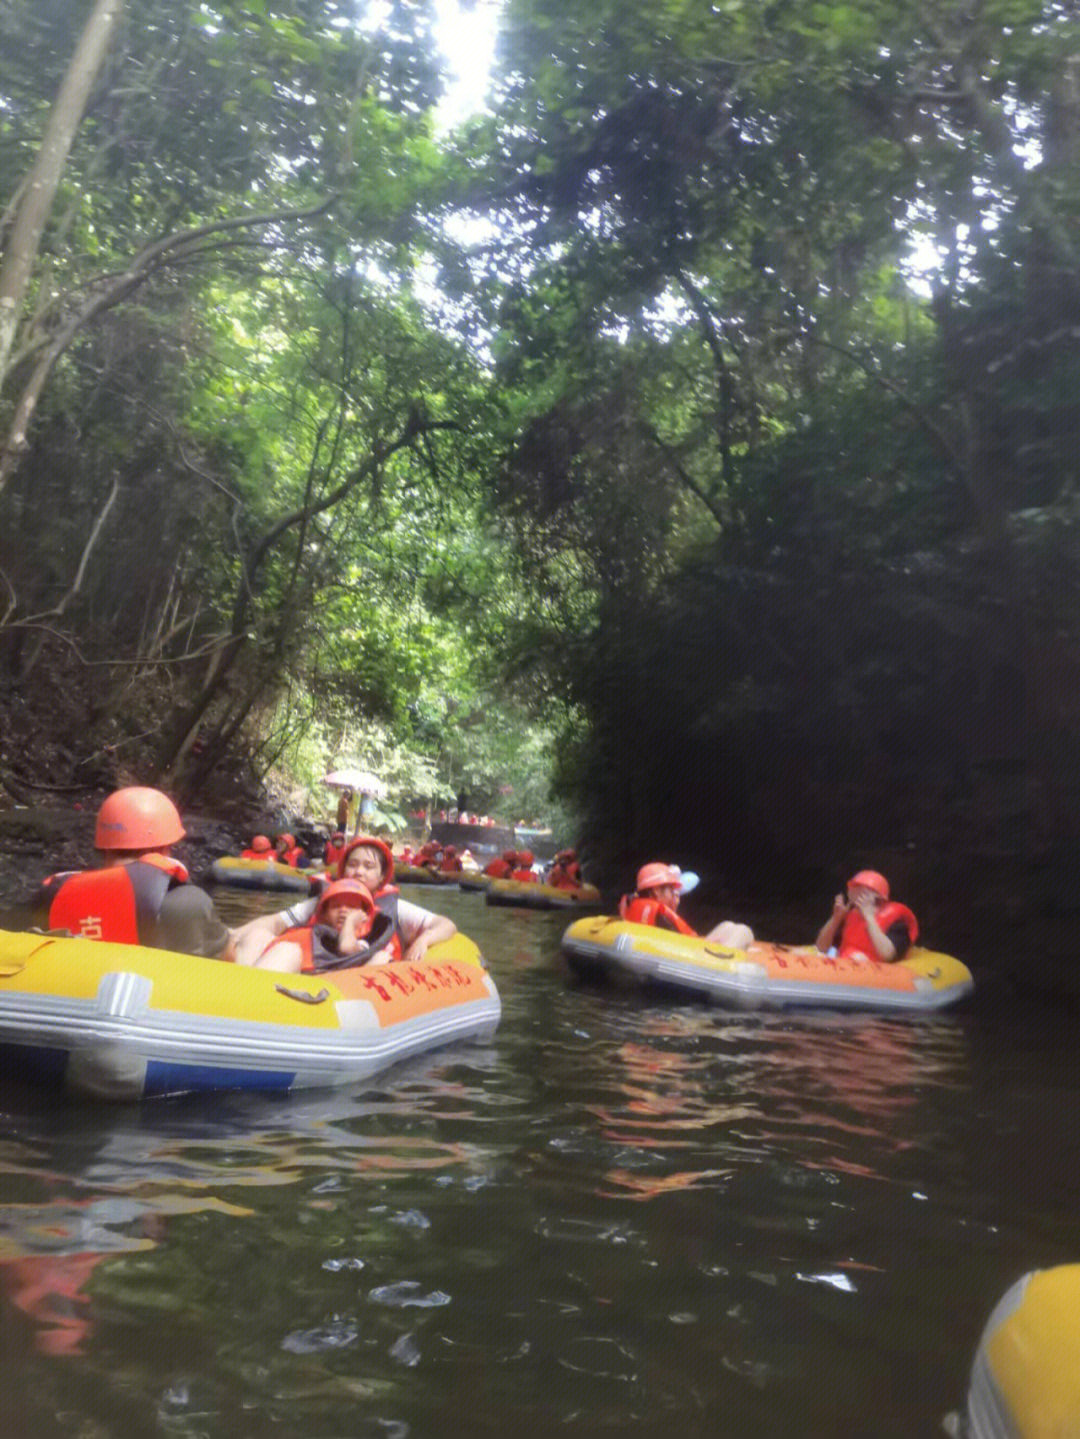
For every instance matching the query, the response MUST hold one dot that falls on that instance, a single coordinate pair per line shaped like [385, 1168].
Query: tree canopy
[694, 426]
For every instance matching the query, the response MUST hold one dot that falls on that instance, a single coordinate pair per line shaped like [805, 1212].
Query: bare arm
[828, 931]
[432, 931]
[884, 948]
[250, 939]
[285, 958]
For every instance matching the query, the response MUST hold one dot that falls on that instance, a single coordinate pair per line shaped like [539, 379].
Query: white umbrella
[360, 780]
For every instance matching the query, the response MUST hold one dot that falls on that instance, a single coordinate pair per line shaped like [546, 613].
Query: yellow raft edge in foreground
[764, 974]
[1025, 1381]
[124, 1021]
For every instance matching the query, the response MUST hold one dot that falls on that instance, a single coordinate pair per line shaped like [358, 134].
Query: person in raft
[565, 872]
[523, 867]
[260, 848]
[346, 930]
[335, 848]
[503, 866]
[656, 901]
[451, 861]
[371, 861]
[289, 852]
[868, 924]
[140, 894]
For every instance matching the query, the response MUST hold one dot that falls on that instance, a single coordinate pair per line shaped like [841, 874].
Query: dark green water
[619, 1217]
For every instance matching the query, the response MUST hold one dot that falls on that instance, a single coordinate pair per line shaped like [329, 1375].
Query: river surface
[622, 1215]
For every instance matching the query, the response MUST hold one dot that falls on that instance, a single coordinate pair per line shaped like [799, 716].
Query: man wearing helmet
[140, 895]
[655, 900]
[868, 924]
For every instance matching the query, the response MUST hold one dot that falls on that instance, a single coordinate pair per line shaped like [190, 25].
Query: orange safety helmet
[655, 874]
[290, 840]
[337, 837]
[870, 879]
[261, 844]
[351, 889]
[525, 857]
[371, 842]
[137, 818]
[510, 856]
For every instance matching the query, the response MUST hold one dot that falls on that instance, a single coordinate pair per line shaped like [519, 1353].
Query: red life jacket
[452, 865]
[120, 904]
[638, 909]
[524, 876]
[855, 938]
[316, 958]
[263, 854]
[291, 857]
[498, 869]
[565, 876]
[332, 856]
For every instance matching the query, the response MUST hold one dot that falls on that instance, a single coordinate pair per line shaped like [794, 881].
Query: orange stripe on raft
[817, 968]
[400, 991]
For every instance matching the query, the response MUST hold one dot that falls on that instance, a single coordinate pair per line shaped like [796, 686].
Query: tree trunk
[44, 176]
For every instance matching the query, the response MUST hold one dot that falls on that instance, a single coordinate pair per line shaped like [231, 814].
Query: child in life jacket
[260, 848]
[656, 901]
[868, 924]
[347, 930]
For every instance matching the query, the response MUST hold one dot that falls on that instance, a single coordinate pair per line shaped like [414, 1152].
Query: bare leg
[731, 934]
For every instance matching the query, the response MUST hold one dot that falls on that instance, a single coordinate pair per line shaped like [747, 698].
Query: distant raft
[473, 881]
[417, 874]
[260, 874]
[524, 895]
[764, 975]
[119, 1021]
[1025, 1382]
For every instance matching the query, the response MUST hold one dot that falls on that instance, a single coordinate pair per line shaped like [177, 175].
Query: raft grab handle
[303, 995]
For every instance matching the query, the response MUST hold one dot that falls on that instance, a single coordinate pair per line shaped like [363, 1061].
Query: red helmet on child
[342, 891]
[870, 879]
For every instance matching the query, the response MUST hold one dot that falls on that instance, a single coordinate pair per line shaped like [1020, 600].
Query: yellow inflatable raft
[521, 893]
[1025, 1382]
[259, 874]
[764, 974]
[119, 1021]
[417, 874]
[474, 881]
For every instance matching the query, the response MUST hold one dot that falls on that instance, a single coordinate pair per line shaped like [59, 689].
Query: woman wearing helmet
[868, 924]
[656, 901]
[140, 894]
[371, 861]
